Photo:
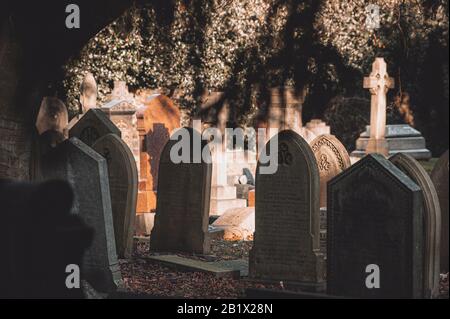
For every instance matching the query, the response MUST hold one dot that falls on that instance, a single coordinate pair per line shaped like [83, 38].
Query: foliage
[242, 47]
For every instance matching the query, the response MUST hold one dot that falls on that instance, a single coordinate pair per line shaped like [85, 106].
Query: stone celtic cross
[379, 84]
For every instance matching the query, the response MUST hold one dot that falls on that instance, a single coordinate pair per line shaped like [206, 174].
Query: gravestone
[182, 213]
[378, 84]
[156, 119]
[286, 241]
[332, 159]
[88, 93]
[87, 173]
[123, 183]
[88, 98]
[374, 220]
[431, 220]
[121, 110]
[237, 223]
[52, 116]
[92, 126]
[51, 130]
[379, 137]
[223, 195]
[439, 176]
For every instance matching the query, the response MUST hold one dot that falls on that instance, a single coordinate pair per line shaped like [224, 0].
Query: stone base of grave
[224, 198]
[144, 224]
[400, 139]
[377, 146]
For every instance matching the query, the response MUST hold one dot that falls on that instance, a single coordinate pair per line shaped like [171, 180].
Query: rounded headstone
[431, 219]
[123, 184]
[439, 176]
[332, 159]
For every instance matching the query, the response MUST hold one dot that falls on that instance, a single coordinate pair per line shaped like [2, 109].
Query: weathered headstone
[431, 220]
[182, 213]
[156, 120]
[87, 173]
[439, 176]
[237, 223]
[123, 183]
[88, 93]
[374, 232]
[92, 126]
[88, 98]
[52, 116]
[121, 110]
[378, 83]
[332, 159]
[286, 242]
[51, 130]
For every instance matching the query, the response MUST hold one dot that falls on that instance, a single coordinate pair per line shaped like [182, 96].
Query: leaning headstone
[431, 218]
[286, 242]
[332, 159]
[123, 183]
[439, 176]
[374, 232]
[87, 173]
[182, 212]
[92, 126]
[237, 223]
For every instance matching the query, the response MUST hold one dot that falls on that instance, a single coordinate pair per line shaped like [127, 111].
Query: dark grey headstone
[374, 218]
[123, 186]
[287, 234]
[92, 126]
[182, 211]
[87, 173]
[439, 176]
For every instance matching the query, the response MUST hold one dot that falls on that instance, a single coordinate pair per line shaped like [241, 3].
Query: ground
[142, 276]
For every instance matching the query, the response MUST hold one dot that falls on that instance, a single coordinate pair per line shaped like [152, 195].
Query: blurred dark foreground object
[39, 237]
